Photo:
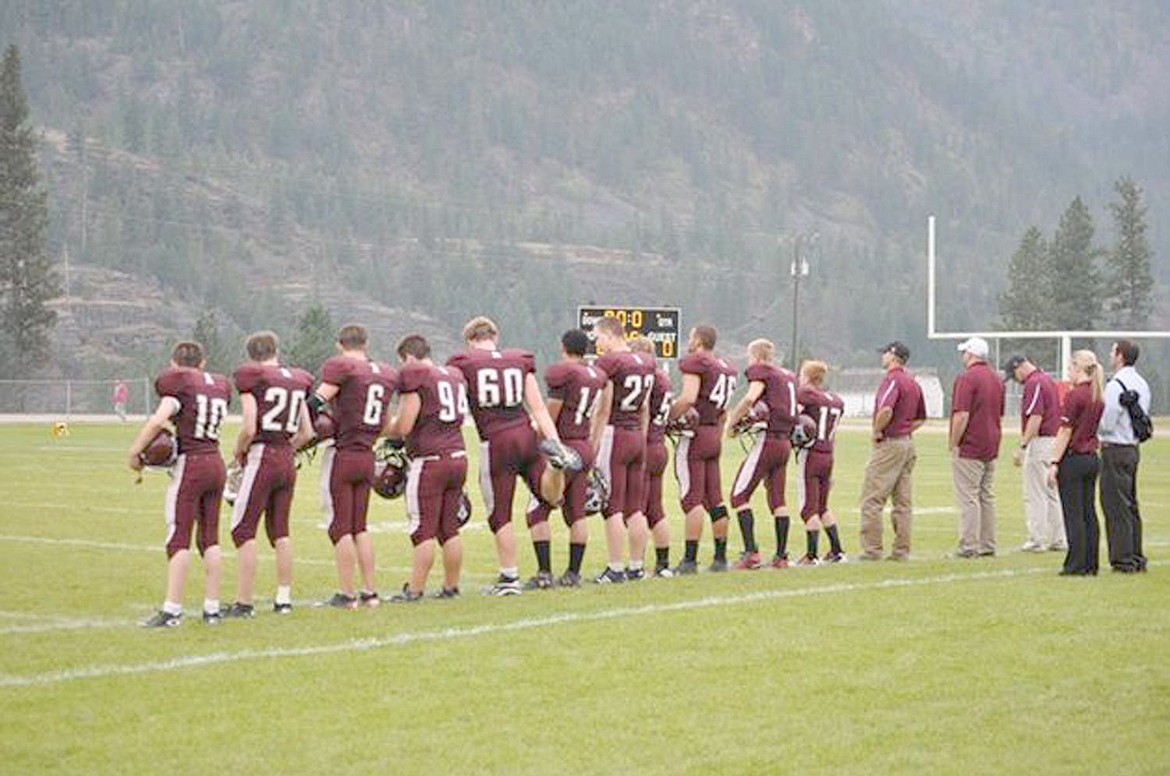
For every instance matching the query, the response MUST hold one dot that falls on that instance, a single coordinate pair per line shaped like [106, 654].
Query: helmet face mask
[804, 433]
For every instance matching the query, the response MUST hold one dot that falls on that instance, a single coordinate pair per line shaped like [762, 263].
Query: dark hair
[187, 353]
[706, 335]
[575, 342]
[413, 345]
[1129, 351]
[262, 345]
[352, 336]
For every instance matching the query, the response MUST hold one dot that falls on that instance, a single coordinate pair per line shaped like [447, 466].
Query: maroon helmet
[804, 433]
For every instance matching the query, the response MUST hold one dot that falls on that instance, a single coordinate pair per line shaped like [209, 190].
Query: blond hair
[640, 344]
[1086, 361]
[814, 371]
[762, 349]
[480, 328]
[611, 326]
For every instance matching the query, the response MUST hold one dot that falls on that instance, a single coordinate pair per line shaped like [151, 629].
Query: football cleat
[663, 572]
[231, 485]
[561, 456]
[836, 557]
[804, 433]
[505, 586]
[282, 608]
[717, 565]
[341, 601]
[212, 618]
[569, 579]
[686, 568]
[748, 560]
[369, 599]
[238, 611]
[610, 577]
[163, 619]
[635, 575]
[447, 592]
[161, 451]
[780, 561]
[808, 559]
[407, 596]
[542, 581]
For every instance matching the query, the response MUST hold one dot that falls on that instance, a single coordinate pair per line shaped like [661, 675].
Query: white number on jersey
[372, 415]
[637, 392]
[487, 387]
[721, 394]
[209, 415]
[826, 430]
[585, 404]
[281, 399]
[452, 407]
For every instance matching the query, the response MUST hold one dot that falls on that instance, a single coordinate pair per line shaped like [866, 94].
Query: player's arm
[402, 424]
[1031, 429]
[881, 419]
[601, 416]
[537, 409]
[554, 408]
[247, 427]
[167, 407]
[304, 433]
[324, 394]
[1063, 438]
[754, 392]
[687, 398]
[644, 417]
[959, 421]
[1112, 413]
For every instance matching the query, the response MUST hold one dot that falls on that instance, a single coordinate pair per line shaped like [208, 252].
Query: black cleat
[407, 596]
[569, 579]
[635, 575]
[685, 568]
[447, 592]
[610, 577]
[212, 618]
[163, 620]
[718, 564]
[369, 599]
[341, 601]
[663, 572]
[238, 611]
[542, 581]
[279, 608]
[505, 586]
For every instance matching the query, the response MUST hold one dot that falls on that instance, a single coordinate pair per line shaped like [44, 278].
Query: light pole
[799, 269]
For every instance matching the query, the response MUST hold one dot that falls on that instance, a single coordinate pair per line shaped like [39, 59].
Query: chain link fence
[74, 397]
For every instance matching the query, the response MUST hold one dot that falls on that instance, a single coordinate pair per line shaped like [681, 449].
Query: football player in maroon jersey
[708, 383]
[619, 437]
[574, 388]
[661, 396]
[197, 402]
[360, 390]
[815, 463]
[432, 403]
[505, 402]
[275, 424]
[768, 460]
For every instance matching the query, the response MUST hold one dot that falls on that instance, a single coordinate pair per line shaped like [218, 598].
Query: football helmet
[683, 426]
[596, 492]
[464, 512]
[162, 451]
[804, 433]
[324, 427]
[231, 485]
[390, 464]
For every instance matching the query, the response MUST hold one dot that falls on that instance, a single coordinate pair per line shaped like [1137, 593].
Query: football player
[574, 388]
[275, 424]
[619, 437]
[196, 402]
[360, 391]
[660, 397]
[815, 463]
[501, 386]
[708, 383]
[768, 459]
[432, 404]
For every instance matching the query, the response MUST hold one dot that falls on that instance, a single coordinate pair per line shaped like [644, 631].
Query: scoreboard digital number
[660, 325]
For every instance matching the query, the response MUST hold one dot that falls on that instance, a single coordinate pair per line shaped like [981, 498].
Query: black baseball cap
[1009, 366]
[899, 349]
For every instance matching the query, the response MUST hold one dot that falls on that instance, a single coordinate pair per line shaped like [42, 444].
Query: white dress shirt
[1115, 427]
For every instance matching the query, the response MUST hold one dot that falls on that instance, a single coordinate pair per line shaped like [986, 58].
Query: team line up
[597, 443]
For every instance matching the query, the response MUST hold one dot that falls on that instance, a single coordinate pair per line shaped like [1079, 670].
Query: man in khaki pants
[976, 414]
[899, 409]
[1039, 422]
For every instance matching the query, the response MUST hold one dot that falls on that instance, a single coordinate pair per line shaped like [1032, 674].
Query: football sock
[283, 594]
[717, 513]
[511, 572]
[637, 565]
[834, 540]
[576, 555]
[543, 556]
[211, 605]
[782, 535]
[662, 557]
[617, 567]
[747, 527]
[812, 542]
[172, 608]
[720, 549]
[691, 554]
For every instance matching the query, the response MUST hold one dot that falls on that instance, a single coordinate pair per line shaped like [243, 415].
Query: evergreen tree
[206, 333]
[27, 277]
[1076, 281]
[1026, 304]
[314, 340]
[1129, 288]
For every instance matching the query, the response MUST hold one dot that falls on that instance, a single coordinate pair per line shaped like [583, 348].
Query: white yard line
[470, 632]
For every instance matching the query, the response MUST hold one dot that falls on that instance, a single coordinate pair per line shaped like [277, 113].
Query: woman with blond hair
[1075, 465]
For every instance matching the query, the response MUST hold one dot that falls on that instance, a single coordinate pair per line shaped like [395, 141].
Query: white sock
[172, 608]
[510, 572]
[636, 565]
[211, 605]
[284, 594]
[617, 567]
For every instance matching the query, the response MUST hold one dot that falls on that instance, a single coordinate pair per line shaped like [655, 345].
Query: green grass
[934, 666]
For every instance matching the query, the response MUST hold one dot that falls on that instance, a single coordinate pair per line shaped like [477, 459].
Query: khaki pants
[976, 498]
[887, 476]
[1045, 520]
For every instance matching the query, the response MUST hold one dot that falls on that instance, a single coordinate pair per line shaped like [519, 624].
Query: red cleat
[780, 561]
[747, 561]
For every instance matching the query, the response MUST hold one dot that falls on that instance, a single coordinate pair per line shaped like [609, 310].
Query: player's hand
[1052, 470]
[1018, 457]
[134, 462]
[732, 431]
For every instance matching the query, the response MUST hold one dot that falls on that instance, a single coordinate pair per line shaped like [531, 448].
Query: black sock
[721, 549]
[747, 527]
[834, 540]
[717, 513]
[662, 557]
[782, 535]
[543, 556]
[812, 542]
[691, 554]
[576, 555]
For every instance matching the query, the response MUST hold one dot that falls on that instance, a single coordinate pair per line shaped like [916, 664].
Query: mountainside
[410, 164]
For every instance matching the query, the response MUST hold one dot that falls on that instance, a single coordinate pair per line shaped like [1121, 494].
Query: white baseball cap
[976, 346]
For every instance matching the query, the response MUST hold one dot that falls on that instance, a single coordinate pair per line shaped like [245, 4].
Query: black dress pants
[1077, 481]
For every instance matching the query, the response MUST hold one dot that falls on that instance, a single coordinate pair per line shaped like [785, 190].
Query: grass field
[933, 666]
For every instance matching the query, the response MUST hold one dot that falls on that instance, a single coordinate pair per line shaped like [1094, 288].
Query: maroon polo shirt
[1082, 414]
[1040, 398]
[903, 396]
[979, 392]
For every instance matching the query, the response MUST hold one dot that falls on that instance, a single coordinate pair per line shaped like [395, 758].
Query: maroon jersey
[661, 396]
[779, 395]
[280, 392]
[903, 396]
[360, 406]
[1082, 414]
[577, 385]
[1040, 398]
[442, 394]
[979, 392]
[632, 375]
[826, 409]
[495, 386]
[717, 379]
[203, 404]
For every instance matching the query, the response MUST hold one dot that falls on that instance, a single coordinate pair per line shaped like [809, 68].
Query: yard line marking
[63, 624]
[447, 634]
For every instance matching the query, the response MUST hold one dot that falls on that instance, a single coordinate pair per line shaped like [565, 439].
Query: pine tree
[1026, 304]
[1129, 289]
[1076, 286]
[27, 277]
[314, 340]
[206, 333]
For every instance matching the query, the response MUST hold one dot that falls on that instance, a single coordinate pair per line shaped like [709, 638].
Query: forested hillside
[408, 164]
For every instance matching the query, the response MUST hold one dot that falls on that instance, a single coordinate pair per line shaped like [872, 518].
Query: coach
[1119, 461]
[976, 412]
[1039, 423]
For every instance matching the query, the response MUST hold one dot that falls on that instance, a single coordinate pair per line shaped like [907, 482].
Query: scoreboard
[660, 325]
